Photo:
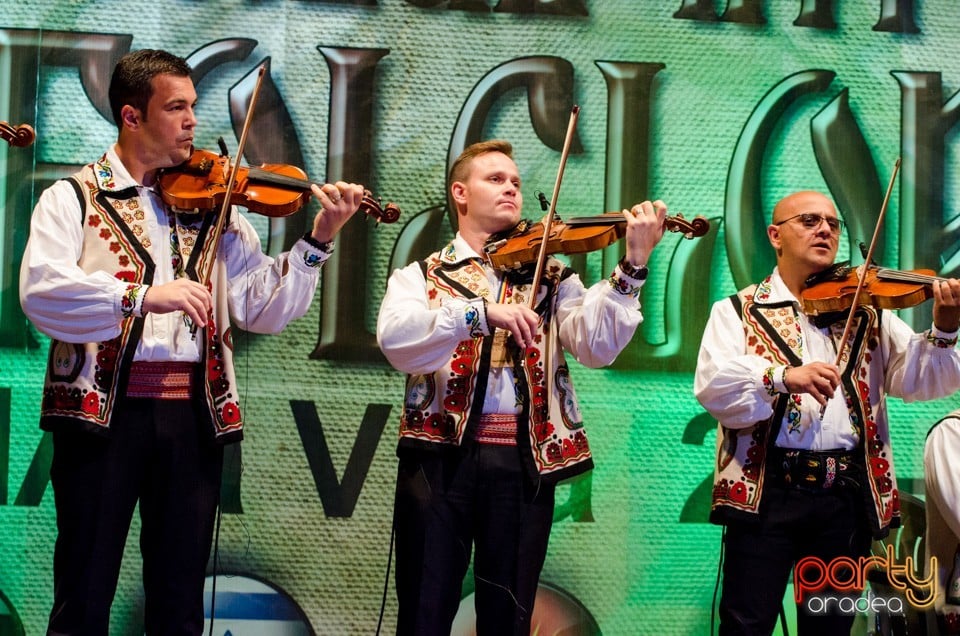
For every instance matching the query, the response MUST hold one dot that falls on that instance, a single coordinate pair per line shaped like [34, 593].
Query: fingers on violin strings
[949, 290]
[332, 192]
[351, 192]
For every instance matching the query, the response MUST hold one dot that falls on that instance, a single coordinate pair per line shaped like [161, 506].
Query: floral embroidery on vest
[741, 453]
[83, 381]
[438, 405]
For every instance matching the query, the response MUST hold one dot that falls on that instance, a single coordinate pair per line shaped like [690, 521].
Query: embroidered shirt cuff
[773, 380]
[628, 280]
[314, 253]
[475, 317]
[131, 302]
[942, 339]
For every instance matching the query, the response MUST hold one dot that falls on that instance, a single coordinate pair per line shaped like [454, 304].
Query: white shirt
[729, 380]
[595, 325]
[67, 303]
[942, 505]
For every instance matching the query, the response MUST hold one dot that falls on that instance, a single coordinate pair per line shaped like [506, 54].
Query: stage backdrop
[717, 108]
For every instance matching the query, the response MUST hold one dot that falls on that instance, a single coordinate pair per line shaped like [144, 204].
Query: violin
[274, 190]
[578, 235]
[836, 289]
[20, 136]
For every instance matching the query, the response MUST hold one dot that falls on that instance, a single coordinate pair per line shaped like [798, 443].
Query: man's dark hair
[131, 82]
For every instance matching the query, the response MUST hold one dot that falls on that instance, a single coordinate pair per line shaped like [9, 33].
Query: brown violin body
[579, 235]
[882, 288]
[273, 190]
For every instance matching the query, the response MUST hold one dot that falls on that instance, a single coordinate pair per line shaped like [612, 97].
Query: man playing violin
[140, 403]
[804, 465]
[490, 420]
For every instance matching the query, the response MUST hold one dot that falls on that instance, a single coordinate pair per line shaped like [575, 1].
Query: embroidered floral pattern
[741, 492]
[556, 437]
[464, 361]
[623, 285]
[941, 343]
[105, 174]
[128, 303]
[312, 259]
[69, 399]
[471, 315]
[176, 258]
[230, 413]
[108, 353]
[762, 293]
[768, 330]
[792, 414]
[218, 381]
[83, 379]
[768, 384]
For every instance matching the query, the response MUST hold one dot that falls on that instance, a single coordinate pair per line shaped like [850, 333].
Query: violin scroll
[697, 227]
[372, 206]
[20, 136]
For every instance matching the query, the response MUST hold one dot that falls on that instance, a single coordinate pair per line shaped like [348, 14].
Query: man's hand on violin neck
[519, 320]
[644, 230]
[819, 379]
[339, 202]
[184, 295]
[946, 304]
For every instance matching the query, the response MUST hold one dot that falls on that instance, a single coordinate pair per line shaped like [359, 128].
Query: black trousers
[159, 454]
[446, 503]
[759, 558]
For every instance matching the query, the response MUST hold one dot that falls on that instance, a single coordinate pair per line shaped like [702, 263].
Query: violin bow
[869, 259]
[217, 231]
[551, 213]
[863, 270]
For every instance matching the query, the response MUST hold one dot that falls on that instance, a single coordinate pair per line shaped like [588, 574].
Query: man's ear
[458, 190]
[130, 116]
[773, 235]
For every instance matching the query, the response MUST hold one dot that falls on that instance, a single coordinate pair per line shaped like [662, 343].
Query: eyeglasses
[812, 220]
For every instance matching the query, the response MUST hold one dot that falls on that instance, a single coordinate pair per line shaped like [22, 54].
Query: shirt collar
[773, 290]
[458, 251]
[111, 174]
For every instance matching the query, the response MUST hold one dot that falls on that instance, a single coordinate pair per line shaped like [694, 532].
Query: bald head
[801, 202]
[805, 232]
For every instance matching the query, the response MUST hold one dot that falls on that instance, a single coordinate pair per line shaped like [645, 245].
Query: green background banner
[717, 108]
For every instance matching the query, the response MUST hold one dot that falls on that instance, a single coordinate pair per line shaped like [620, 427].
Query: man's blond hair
[460, 170]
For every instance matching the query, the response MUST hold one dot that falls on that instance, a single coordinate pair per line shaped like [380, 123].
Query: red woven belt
[497, 429]
[161, 380]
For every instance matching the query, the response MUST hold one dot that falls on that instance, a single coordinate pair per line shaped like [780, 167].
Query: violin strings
[906, 277]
